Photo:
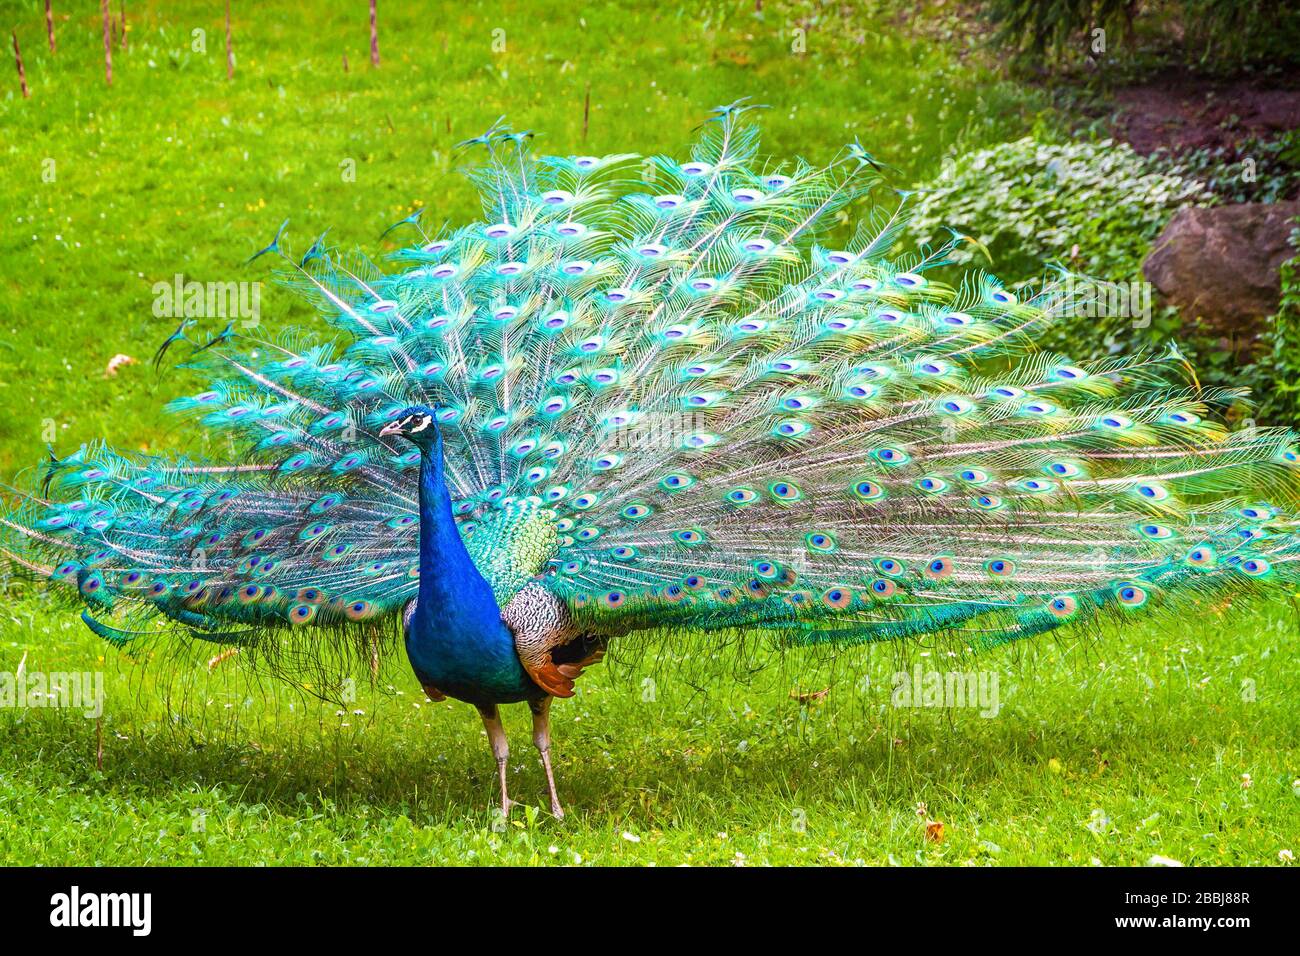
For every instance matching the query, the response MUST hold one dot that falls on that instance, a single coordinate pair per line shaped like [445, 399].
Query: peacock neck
[450, 585]
[456, 640]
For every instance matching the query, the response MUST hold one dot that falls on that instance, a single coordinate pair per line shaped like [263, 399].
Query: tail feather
[716, 421]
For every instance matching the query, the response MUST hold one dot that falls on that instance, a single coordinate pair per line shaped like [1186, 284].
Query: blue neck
[457, 640]
[453, 584]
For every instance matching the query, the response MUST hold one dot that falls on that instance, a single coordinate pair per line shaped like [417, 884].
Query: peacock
[647, 396]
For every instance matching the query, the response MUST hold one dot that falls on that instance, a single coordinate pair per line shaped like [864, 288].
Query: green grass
[175, 169]
[1104, 750]
[1110, 749]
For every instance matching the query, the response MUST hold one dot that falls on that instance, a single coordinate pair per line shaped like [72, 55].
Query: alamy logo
[83, 691]
[1094, 299]
[180, 299]
[922, 688]
[660, 430]
[134, 910]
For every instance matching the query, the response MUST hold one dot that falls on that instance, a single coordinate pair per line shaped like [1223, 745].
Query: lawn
[1173, 738]
[1176, 742]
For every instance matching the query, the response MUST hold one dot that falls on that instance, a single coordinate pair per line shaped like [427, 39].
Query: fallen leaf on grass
[116, 362]
[811, 697]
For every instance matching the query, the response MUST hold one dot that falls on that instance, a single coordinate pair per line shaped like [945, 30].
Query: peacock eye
[1063, 469]
[955, 406]
[1034, 485]
[1156, 532]
[1004, 392]
[1152, 492]
[1255, 567]
[868, 490]
[790, 428]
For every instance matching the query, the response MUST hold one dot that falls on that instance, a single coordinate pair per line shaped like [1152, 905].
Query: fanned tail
[666, 400]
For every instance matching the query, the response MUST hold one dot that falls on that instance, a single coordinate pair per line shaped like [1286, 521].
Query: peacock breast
[478, 665]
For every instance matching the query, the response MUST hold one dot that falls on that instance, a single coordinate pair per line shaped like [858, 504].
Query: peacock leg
[500, 749]
[542, 739]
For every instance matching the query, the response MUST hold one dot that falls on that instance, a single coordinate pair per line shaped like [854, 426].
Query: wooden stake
[49, 24]
[121, 9]
[345, 63]
[374, 36]
[230, 50]
[108, 42]
[22, 76]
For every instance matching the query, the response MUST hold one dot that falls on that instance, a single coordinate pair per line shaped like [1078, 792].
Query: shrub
[1274, 168]
[1093, 207]
[1274, 379]
[1034, 28]
[1222, 34]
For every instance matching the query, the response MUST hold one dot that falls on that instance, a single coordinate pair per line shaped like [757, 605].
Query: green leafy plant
[1092, 207]
[1257, 169]
[1274, 379]
[1095, 209]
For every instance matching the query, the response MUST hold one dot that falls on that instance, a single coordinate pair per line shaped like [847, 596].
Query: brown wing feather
[551, 649]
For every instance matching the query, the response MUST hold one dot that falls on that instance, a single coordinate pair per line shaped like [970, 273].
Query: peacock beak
[392, 428]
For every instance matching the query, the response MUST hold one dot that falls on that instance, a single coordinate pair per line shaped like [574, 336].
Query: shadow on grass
[450, 773]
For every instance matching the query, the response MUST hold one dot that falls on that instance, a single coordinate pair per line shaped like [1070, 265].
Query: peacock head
[417, 424]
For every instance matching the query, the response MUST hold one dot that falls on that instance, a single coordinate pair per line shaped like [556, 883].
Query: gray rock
[1219, 265]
